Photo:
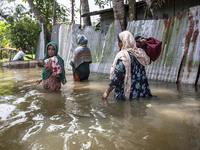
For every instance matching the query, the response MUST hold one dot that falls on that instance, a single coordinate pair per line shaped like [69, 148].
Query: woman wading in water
[81, 60]
[128, 77]
[53, 72]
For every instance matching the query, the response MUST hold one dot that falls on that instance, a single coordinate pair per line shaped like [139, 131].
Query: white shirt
[20, 54]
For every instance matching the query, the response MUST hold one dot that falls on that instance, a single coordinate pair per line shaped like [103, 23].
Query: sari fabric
[81, 59]
[129, 45]
[47, 74]
[139, 83]
[82, 53]
[52, 83]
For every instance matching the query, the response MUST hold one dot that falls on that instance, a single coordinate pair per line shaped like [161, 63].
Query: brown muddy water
[76, 118]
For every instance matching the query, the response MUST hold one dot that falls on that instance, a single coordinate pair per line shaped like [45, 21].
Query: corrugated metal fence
[180, 57]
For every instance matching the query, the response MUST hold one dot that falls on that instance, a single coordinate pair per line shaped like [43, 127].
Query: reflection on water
[76, 118]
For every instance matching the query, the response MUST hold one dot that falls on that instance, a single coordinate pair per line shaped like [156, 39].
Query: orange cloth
[76, 78]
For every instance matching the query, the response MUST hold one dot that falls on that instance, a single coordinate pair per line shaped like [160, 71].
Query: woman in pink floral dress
[53, 72]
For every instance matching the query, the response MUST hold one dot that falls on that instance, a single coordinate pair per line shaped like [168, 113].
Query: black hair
[137, 38]
[23, 49]
[118, 38]
[51, 45]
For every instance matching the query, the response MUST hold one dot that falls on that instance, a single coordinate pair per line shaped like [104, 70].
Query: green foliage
[3, 33]
[3, 60]
[45, 8]
[103, 75]
[24, 33]
[102, 3]
[12, 14]
[98, 27]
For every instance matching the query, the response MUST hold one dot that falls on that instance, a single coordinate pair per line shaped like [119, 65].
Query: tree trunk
[132, 10]
[72, 20]
[119, 12]
[85, 9]
[41, 21]
[54, 12]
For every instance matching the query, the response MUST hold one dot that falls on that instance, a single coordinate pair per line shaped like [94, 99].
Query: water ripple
[33, 130]
[6, 111]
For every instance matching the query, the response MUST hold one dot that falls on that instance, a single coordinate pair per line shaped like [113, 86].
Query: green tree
[24, 33]
[3, 14]
[132, 10]
[85, 9]
[45, 9]
[10, 13]
[72, 11]
[16, 13]
[43, 12]
[102, 3]
[3, 39]
[119, 12]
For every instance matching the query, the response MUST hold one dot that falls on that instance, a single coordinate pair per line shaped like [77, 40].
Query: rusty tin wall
[66, 38]
[189, 70]
[172, 34]
[179, 59]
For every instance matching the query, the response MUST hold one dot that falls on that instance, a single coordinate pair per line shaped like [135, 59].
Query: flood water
[76, 118]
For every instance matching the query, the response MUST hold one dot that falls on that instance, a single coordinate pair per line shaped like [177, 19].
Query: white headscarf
[129, 44]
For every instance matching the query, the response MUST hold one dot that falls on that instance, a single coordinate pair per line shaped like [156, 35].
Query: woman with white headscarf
[127, 75]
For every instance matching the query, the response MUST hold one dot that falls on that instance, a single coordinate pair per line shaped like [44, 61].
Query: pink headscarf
[129, 44]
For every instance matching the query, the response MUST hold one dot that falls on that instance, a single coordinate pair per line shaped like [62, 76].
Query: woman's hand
[38, 81]
[143, 42]
[49, 65]
[105, 95]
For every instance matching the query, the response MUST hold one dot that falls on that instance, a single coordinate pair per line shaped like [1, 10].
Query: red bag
[153, 49]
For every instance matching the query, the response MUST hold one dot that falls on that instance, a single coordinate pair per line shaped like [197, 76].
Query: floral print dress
[139, 83]
[53, 82]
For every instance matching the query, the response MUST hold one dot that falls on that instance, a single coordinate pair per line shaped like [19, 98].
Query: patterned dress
[139, 83]
[56, 68]
[53, 74]
[52, 83]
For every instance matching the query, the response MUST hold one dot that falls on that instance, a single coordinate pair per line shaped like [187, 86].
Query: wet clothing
[82, 72]
[128, 46]
[139, 83]
[19, 56]
[55, 65]
[81, 54]
[50, 82]
[81, 60]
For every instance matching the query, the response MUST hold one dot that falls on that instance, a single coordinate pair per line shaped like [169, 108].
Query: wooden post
[10, 52]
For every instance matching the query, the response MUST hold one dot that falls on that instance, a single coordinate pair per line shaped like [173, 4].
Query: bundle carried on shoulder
[153, 48]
